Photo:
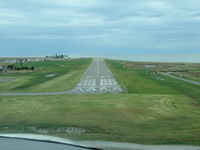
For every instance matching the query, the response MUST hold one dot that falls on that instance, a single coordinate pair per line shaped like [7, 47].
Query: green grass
[139, 81]
[141, 118]
[67, 75]
[152, 111]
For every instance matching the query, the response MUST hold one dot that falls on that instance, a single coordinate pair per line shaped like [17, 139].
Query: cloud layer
[35, 27]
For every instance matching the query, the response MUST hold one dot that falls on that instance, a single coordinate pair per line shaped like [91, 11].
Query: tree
[11, 67]
[32, 68]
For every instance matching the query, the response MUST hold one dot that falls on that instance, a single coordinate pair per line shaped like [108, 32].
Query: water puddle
[51, 75]
[150, 66]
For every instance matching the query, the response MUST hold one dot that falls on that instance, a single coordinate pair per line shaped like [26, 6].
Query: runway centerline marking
[97, 79]
[98, 67]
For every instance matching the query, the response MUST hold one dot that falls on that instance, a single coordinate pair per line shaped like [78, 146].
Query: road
[97, 79]
[183, 79]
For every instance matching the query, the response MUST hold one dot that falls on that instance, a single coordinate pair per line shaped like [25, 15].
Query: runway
[97, 79]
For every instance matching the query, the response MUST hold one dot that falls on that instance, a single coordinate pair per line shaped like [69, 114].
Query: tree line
[13, 67]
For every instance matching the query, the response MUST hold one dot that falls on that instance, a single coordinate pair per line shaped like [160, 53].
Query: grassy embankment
[67, 73]
[153, 112]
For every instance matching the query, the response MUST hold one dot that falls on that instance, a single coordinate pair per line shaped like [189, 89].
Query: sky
[100, 27]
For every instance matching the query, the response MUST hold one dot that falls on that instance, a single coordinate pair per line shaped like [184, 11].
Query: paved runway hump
[97, 79]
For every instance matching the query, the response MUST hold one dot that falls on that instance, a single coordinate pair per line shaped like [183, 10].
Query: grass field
[67, 74]
[154, 110]
[141, 118]
[139, 81]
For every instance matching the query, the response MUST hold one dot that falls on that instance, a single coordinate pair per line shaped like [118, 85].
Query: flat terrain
[137, 79]
[50, 76]
[155, 109]
[138, 118]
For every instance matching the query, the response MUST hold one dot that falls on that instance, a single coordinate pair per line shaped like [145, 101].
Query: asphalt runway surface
[97, 79]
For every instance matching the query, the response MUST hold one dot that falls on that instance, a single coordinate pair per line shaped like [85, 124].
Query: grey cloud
[158, 25]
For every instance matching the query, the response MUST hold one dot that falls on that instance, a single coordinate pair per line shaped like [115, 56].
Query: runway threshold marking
[104, 82]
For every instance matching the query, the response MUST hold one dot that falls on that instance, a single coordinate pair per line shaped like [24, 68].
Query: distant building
[11, 61]
[66, 57]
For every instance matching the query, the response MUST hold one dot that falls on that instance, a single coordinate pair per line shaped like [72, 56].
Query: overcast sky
[99, 27]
